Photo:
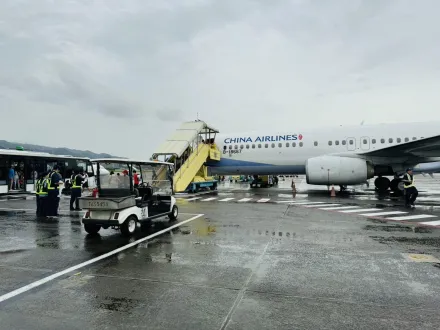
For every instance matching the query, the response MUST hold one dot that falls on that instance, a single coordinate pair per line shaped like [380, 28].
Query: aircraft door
[351, 144]
[365, 143]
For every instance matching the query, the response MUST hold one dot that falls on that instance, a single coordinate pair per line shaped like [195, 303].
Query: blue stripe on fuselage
[232, 166]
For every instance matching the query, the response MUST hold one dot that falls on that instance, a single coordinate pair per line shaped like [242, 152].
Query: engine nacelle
[328, 170]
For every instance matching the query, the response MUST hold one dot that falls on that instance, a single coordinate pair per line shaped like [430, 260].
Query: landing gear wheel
[382, 184]
[129, 226]
[91, 229]
[174, 213]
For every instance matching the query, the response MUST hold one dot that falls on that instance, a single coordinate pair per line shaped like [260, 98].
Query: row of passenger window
[266, 145]
[300, 144]
[373, 141]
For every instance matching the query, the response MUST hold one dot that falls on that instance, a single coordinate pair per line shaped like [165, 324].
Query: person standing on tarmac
[411, 191]
[53, 194]
[41, 192]
[76, 189]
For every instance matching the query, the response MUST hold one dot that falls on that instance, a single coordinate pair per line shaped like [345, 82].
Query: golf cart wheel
[91, 229]
[129, 226]
[174, 213]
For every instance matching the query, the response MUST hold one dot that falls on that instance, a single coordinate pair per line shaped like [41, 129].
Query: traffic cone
[333, 192]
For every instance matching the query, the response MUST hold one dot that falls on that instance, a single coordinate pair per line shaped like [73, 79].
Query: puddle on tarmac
[388, 228]
[118, 304]
[426, 241]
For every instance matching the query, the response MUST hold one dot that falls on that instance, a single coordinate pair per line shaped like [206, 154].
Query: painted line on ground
[307, 203]
[209, 199]
[91, 261]
[382, 213]
[321, 205]
[359, 210]
[412, 217]
[263, 200]
[339, 208]
[431, 223]
[245, 200]
[193, 199]
[226, 199]
[11, 209]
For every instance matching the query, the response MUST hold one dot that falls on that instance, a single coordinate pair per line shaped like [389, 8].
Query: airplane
[341, 155]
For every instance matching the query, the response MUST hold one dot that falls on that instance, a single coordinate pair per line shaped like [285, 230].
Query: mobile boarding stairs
[189, 148]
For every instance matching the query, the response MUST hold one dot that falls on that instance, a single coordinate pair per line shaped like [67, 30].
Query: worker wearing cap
[76, 189]
[53, 199]
[411, 191]
[42, 192]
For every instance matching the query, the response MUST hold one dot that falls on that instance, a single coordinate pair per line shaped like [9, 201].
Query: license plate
[97, 203]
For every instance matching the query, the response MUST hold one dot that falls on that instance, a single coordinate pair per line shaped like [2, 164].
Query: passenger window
[399, 140]
[406, 139]
[273, 145]
[266, 145]
[382, 140]
[293, 144]
[373, 141]
[330, 143]
[247, 146]
[337, 142]
[230, 147]
[253, 146]
[236, 147]
[280, 145]
[259, 145]
[351, 142]
[225, 147]
[241, 146]
[316, 143]
[364, 141]
[287, 144]
[300, 144]
[344, 142]
[414, 138]
[390, 140]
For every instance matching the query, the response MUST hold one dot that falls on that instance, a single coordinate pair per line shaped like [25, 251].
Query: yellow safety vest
[49, 178]
[38, 186]
[409, 185]
[74, 186]
[43, 187]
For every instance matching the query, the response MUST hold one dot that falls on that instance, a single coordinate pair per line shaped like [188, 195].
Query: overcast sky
[119, 76]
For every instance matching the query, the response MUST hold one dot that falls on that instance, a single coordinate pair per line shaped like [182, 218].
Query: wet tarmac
[287, 262]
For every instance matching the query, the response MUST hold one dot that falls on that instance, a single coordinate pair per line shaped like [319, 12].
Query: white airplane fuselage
[265, 152]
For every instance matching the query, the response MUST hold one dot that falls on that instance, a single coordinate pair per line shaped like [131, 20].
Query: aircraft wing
[423, 148]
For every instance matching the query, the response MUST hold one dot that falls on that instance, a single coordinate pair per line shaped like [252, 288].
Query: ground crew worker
[52, 197]
[76, 189]
[42, 191]
[38, 185]
[411, 191]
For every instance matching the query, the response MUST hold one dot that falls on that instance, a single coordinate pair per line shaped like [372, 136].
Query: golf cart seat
[145, 195]
[114, 192]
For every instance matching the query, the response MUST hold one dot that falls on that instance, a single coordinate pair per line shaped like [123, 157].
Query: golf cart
[120, 204]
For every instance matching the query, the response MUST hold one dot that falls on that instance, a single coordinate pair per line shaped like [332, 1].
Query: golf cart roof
[129, 161]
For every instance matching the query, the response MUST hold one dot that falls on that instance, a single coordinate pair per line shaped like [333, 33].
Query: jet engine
[328, 170]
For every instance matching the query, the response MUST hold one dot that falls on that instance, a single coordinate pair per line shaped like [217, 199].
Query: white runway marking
[339, 208]
[413, 217]
[382, 213]
[320, 205]
[209, 199]
[307, 203]
[193, 199]
[263, 200]
[226, 199]
[431, 223]
[89, 262]
[245, 200]
[360, 210]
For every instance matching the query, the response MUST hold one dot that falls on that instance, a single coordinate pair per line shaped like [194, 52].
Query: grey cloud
[170, 115]
[239, 64]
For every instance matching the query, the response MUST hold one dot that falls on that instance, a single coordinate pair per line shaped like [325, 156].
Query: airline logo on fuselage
[267, 138]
